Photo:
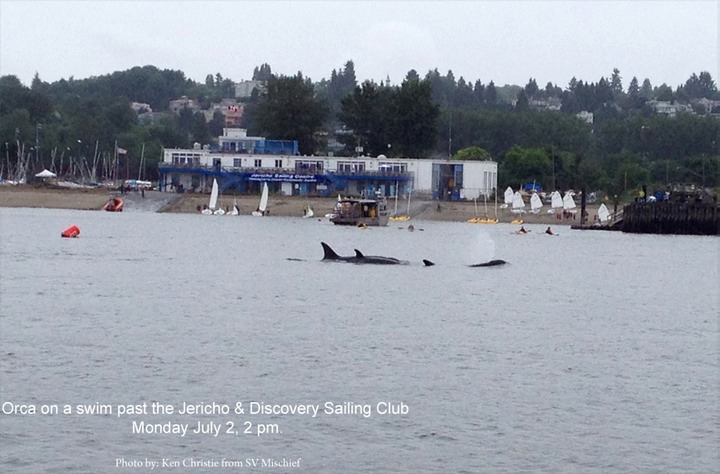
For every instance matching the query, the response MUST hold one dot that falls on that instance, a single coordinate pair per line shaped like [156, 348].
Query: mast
[141, 166]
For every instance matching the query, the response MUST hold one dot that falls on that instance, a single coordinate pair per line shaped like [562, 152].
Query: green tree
[289, 111]
[368, 114]
[522, 104]
[472, 153]
[531, 88]
[616, 84]
[490, 95]
[415, 128]
[263, 73]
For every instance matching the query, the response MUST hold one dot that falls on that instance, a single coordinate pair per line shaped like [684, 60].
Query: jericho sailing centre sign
[286, 177]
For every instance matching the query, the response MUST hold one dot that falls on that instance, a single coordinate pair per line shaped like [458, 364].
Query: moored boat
[361, 212]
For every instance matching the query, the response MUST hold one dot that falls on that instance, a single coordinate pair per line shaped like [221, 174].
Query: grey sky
[507, 42]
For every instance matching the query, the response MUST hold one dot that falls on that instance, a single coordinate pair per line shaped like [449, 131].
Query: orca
[491, 263]
[360, 258]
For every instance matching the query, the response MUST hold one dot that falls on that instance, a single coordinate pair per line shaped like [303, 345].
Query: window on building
[393, 167]
[351, 166]
[278, 163]
[258, 163]
[237, 162]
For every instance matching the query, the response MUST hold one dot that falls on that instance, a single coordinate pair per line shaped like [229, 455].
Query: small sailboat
[569, 202]
[212, 204]
[262, 208]
[603, 213]
[509, 196]
[518, 205]
[556, 202]
[308, 211]
[235, 210]
[535, 203]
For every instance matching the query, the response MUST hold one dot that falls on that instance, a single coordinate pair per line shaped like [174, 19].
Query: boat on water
[361, 212]
[262, 207]
[115, 204]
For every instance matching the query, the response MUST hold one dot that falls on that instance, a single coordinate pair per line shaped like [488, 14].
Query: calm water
[592, 352]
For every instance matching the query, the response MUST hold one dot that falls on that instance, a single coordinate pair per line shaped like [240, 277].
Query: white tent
[46, 174]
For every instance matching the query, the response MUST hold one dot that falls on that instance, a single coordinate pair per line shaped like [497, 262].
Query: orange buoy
[72, 231]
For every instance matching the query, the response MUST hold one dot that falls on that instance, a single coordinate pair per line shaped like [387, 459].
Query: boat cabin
[371, 212]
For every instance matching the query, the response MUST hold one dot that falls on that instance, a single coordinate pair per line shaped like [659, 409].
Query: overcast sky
[503, 41]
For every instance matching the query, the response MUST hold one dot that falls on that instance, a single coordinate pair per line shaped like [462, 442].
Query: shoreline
[34, 196]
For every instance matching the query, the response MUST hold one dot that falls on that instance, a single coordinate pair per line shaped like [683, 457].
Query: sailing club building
[241, 164]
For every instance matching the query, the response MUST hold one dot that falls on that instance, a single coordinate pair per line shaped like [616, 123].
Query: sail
[557, 202]
[213, 196]
[535, 203]
[518, 204]
[568, 201]
[509, 195]
[264, 198]
[603, 213]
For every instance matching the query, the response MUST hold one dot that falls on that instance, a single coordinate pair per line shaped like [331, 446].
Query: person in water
[549, 231]
[522, 230]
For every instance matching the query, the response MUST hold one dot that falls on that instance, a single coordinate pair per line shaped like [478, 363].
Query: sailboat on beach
[556, 202]
[236, 209]
[262, 208]
[535, 203]
[396, 216]
[308, 211]
[569, 203]
[486, 219]
[603, 213]
[212, 208]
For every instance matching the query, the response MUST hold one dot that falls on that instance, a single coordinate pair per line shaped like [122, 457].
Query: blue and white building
[243, 163]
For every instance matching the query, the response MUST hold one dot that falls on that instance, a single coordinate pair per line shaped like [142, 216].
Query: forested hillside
[534, 133]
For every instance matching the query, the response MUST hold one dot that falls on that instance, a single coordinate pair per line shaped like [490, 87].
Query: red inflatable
[114, 205]
[72, 231]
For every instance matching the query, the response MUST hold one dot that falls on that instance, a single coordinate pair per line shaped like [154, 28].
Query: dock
[680, 218]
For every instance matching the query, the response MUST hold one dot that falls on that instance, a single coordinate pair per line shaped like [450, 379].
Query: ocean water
[592, 352]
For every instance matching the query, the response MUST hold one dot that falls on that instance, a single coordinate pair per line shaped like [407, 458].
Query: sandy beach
[37, 196]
